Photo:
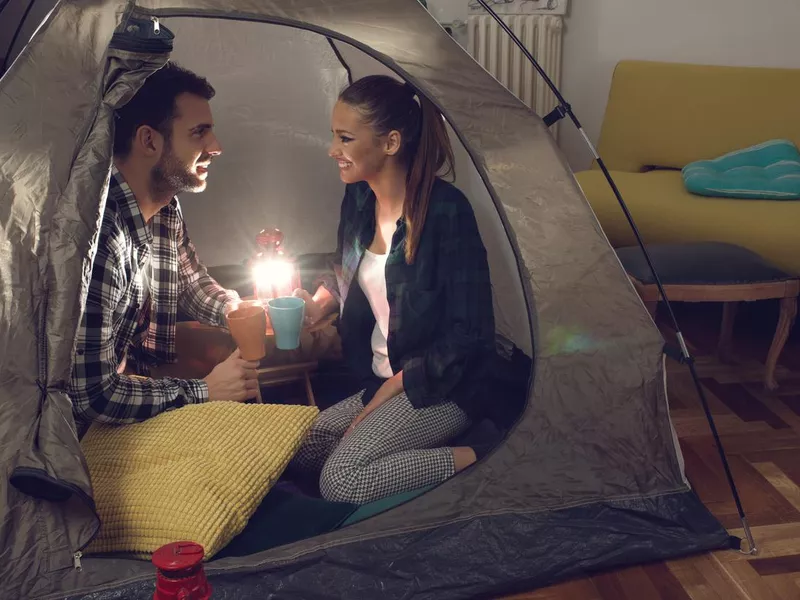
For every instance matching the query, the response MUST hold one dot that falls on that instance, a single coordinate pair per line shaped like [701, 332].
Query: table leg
[785, 323]
[725, 344]
[309, 390]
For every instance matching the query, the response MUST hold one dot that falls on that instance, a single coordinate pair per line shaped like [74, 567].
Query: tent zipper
[78, 554]
[143, 34]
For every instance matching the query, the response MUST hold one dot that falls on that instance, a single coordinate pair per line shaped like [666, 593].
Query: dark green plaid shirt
[441, 323]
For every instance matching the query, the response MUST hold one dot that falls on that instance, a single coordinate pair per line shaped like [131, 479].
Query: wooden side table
[201, 347]
[717, 272]
[286, 366]
[301, 372]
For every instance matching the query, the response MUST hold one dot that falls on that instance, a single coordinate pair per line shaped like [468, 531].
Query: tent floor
[761, 435]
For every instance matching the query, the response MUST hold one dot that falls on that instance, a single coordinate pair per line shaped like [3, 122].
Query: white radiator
[498, 54]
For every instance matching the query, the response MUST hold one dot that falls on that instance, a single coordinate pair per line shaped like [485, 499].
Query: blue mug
[286, 314]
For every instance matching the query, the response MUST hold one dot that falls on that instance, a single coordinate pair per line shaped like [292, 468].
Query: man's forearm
[122, 399]
[207, 302]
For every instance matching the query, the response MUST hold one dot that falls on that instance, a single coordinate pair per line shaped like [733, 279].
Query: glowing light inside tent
[273, 277]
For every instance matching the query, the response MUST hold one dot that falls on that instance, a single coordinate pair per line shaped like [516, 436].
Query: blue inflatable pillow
[766, 171]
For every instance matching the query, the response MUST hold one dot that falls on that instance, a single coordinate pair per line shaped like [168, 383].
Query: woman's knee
[320, 440]
[339, 482]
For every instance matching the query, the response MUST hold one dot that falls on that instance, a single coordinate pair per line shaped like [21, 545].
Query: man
[146, 267]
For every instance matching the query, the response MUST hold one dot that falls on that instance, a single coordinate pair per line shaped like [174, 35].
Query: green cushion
[366, 511]
[767, 171]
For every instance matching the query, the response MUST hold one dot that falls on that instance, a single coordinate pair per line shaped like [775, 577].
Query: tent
[589, 477]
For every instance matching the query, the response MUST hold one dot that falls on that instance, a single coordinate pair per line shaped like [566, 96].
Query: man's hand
[233, 380]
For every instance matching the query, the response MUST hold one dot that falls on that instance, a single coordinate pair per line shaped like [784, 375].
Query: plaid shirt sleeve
[201, 297]
[98, 392]
[431, 376]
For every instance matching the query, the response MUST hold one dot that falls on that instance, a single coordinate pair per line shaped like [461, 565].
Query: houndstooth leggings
[395, 449]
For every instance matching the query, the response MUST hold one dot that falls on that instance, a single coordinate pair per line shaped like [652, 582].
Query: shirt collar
[129, 209]
[364, 196]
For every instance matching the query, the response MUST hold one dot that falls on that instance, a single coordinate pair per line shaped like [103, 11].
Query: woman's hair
[389, 105]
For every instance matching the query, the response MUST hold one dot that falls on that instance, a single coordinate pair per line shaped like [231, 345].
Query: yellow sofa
[661, 116]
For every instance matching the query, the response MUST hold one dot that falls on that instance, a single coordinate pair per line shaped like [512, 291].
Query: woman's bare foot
[463, 457]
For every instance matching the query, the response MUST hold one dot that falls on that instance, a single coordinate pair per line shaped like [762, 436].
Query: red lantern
[273, 271]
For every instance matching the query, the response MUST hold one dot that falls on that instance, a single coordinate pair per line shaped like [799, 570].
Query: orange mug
[247, 322]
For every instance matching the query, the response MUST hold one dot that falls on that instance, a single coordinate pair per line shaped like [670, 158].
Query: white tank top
[372, 279]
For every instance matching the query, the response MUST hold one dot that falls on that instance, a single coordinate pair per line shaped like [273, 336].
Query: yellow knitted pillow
[197, 473]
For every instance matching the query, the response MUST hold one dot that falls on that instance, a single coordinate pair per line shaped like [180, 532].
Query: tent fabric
[426, 565]
[589, 477]
[50, 182]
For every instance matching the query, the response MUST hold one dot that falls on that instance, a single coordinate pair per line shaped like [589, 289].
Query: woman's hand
[377, 400]
[390, 388]
[314, 311]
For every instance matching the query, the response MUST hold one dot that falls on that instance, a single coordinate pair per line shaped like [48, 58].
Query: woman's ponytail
[433, 154]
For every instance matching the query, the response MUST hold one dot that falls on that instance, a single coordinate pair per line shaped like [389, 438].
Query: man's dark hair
[154, 104]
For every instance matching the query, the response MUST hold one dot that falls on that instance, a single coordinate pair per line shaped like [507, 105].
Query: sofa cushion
[670, 114]
[766, 171]
[701, 263]
[666, 213]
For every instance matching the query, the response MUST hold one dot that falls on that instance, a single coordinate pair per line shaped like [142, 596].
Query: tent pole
[562, 110]
[16, 35]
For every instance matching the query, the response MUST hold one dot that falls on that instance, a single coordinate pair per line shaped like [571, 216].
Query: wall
[447, 11]
[601, 32]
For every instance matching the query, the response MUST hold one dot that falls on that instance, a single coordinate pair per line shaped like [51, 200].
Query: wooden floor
[761, 435]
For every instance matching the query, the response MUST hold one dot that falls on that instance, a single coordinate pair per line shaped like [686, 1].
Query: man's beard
[170, 177]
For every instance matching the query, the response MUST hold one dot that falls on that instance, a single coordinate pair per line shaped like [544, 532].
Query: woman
[412, 282]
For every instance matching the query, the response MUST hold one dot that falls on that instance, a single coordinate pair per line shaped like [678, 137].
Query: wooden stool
[716, 272]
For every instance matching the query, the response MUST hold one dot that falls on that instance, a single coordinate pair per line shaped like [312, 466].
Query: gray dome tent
[589, 477]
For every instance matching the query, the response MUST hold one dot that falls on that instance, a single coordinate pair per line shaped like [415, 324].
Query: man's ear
[393, 141]
[148, 141]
